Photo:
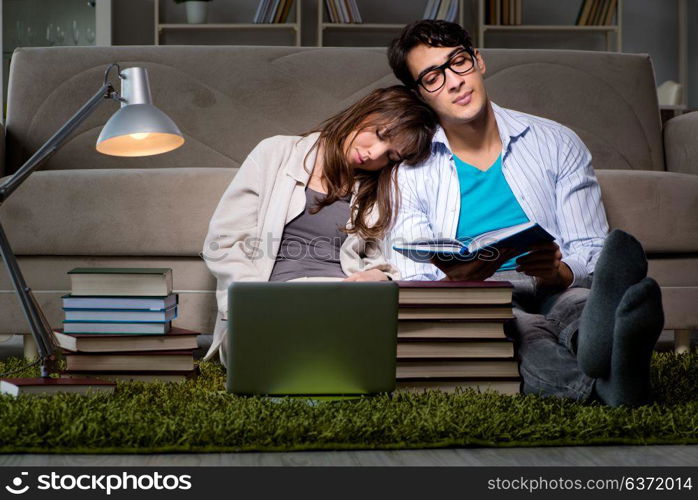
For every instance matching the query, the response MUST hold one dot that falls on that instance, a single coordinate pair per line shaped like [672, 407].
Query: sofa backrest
[225, 99]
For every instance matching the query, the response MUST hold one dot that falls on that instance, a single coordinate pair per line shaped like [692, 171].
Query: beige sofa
[85, 209]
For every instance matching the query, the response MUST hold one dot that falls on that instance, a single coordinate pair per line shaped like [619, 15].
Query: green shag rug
[199, 416]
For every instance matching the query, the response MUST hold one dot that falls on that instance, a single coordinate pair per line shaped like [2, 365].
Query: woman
[315, 206]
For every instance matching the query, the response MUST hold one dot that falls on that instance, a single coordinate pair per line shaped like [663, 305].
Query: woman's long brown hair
[400, 116]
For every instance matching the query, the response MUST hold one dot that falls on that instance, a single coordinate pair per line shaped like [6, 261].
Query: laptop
[312, 339]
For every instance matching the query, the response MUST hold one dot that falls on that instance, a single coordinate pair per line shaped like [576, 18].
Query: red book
[454, 293]
[40, 385]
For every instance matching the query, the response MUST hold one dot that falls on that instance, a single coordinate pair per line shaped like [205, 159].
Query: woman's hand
[372, 275]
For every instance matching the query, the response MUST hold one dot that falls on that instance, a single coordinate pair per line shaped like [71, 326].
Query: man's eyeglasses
[460, 63]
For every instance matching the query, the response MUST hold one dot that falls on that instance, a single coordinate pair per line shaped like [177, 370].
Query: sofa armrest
[658, 208]
[680, 145]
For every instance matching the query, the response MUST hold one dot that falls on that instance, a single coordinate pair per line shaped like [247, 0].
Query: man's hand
[545, 264]
[372, 275]
[474, 270]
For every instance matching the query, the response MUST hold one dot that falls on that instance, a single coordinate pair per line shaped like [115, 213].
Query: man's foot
[622, 264]
[638, 323]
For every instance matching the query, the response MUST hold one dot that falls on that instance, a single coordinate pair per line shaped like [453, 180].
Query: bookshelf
[411, 12]
[164, 27]
[612, 33]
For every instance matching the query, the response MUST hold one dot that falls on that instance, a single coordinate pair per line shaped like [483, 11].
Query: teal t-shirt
[487, 203]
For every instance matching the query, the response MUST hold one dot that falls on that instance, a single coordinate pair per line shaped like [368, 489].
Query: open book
[487, 245]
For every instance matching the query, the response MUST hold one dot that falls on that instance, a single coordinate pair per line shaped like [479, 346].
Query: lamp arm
[55, 141]
[40, 328]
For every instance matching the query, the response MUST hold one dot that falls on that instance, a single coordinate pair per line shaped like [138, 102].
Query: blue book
[120, 315]
[486, 246]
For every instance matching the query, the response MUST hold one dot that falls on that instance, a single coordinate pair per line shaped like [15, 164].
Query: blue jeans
[544, 330]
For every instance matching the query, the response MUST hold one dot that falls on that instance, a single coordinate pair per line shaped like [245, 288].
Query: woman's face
[370, 149]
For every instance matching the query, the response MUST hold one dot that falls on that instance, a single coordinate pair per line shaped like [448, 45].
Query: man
[491, 168]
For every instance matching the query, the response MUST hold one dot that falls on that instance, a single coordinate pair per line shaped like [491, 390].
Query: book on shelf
[41, 385]
[610, 12]
[443, 9]
[454, 349]
[455, 292]
[120, 315]
[597, 13]
[455, 312]
[331, 13]
[584, 13]
[453, 330]
[101, 327]
[457, 369]
[503, 12]
[345, 14]
[452, 385]
[154, 376]
[343, 11]
[175, 340]
[257, 19]
[427, 9]
[154, 282]
[452, 11]
[180, 361]
[287, 10]
[140, 303]
[485, 246]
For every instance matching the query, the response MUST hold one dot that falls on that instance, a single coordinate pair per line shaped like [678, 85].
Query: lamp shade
[138, 128]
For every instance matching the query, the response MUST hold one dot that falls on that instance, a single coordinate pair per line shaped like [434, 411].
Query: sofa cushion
[136, 212]
[658, 208]
[166, 212]
[225, 99]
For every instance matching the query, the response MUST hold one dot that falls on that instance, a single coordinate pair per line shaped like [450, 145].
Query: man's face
[462, 98]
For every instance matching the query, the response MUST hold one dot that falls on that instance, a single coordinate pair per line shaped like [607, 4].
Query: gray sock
[621, 264]
[639, 321]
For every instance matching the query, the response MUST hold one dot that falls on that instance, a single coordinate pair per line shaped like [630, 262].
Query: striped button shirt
[549, 171]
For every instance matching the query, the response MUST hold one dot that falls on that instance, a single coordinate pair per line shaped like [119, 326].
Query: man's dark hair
[434, 33]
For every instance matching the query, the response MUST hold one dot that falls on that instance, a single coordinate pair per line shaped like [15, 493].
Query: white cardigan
[245, 231]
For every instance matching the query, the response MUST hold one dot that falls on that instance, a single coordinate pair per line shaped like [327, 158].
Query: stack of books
[272, 11]
[118, 325]
[451, 335]
[503, 12]
[343, 11]
[597, 13]
[441, 9]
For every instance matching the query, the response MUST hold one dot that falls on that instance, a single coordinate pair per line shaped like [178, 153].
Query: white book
[486, 246]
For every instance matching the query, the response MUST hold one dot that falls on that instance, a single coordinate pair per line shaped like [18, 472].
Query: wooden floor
[571, 455]
[585, 456]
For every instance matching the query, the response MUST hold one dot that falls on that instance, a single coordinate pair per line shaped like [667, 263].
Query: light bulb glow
[139, 136]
